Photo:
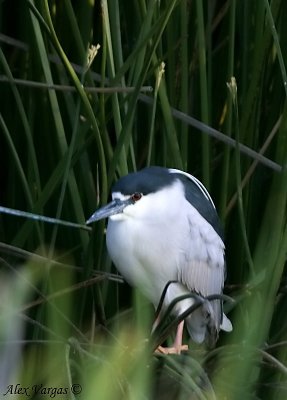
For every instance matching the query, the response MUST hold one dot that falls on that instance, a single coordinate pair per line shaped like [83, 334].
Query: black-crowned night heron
[163, 226]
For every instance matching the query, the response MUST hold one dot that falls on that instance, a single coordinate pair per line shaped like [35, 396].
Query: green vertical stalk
[277, 44]
[230, 70]
[252, 326]
[184, 80]
[77, 38]
[159, 74]
[203, 92]
[112, 31]
[87, 106]
[59, 125]
[233, 91]
[262, 43]
[25, 123]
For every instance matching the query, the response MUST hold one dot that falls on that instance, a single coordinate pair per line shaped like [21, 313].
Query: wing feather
[203, 272]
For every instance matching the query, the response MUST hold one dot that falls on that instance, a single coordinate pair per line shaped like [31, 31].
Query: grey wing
[203, 272]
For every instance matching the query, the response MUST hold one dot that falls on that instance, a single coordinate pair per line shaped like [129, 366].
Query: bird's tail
[204, 323]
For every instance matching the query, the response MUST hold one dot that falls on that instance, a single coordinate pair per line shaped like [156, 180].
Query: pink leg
[177, 347]
[178, 337]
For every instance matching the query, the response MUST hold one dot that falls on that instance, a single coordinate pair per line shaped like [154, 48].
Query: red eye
[136, 196]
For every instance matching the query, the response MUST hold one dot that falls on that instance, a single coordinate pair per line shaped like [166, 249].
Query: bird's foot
[171, 350]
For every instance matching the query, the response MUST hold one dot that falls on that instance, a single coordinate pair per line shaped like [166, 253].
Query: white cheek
[118, 217]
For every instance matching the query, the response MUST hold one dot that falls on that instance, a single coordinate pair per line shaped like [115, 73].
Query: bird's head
[118, 208]
[139, 194]
[157, 195]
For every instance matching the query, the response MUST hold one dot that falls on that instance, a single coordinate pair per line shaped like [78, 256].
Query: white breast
[142, 258]
[150, 249]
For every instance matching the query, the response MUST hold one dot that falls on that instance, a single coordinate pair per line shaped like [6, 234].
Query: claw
[171, 350]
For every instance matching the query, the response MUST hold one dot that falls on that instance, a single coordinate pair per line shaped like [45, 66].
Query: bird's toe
[171, 350]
